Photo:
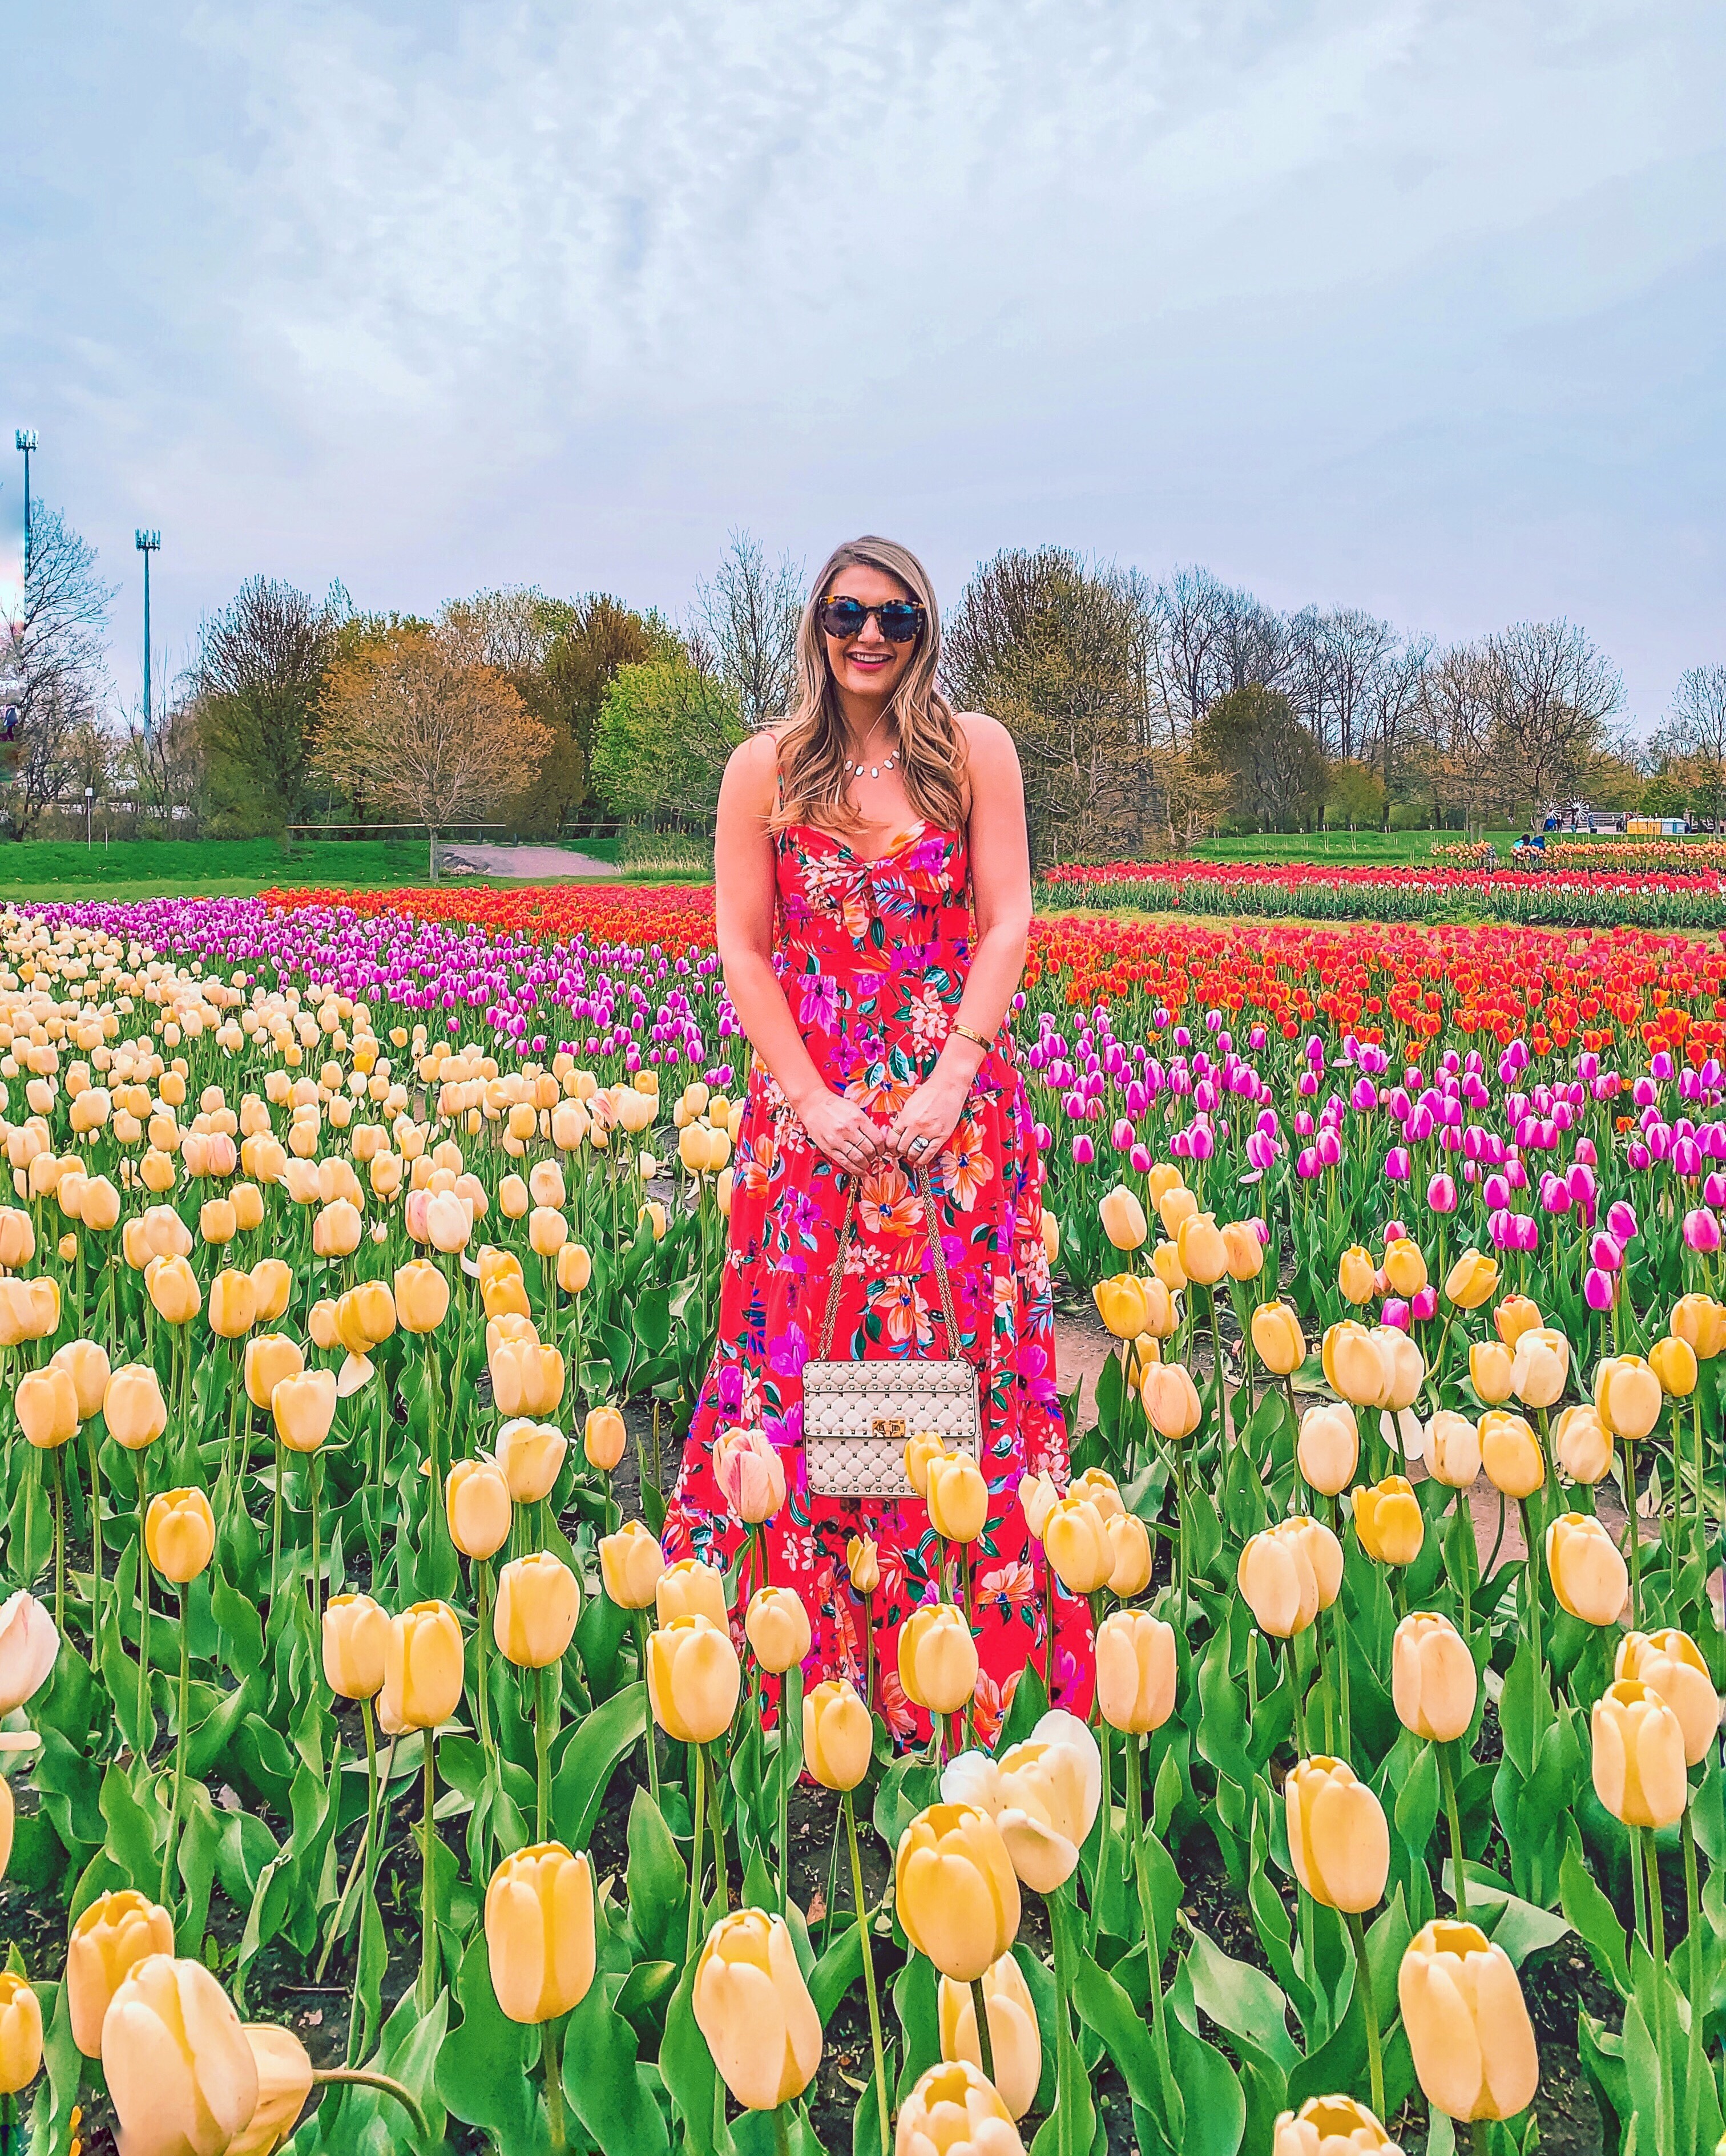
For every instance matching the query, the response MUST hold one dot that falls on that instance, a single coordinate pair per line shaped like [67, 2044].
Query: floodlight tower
[147, 543]
[24, 439]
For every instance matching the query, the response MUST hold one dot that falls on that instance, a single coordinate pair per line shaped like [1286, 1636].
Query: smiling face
[866, 668]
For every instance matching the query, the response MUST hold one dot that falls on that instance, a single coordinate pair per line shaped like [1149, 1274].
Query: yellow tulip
[45, 1403]
[1123, 1219]
[575, 1268]
[476, 1504]
[86, 1363]
[422, 1667]
[1015, 2042]
[1045, 1794]
[180, 2072]
[1136, 1671]
[1589, 1575]
[356, 1641]
[526, 1380]
[1389, 1521]
[1403, 1366]
[422, 1295]
[938, 1658]
[1490, 1368]
[1174, 1202]
[1277, 1338]
[1581, 1445]
[1670, 1663]
[117, 1932]
[690, 1589]
[20, 2034]
[1673, 1362]
[837, 1734]
[1337, 1838]
[1516, 1315]
[1328, 1447]
[1696, 1319]
[1171, 1400]
[1204, 1254]
[1452, 1449]
[29, 1310]
[1276, 1582]
[752, 2004]
[1165, 1263]
[1405, 1267]
[531, 1454]
[1245, 1252]
[1320, 1548]
[538, 1604]
[173, 1290]
[1433, 1682]
[304, 1408]
[1331, 2126]
[1467, 2024]
[1627, 1394]
[693, 1679]
[957, 1496]
[29, 1647]
[1540, 1366]
[180, 1534]
[1356, 1276]
[1077, 1542]
[955, 2111]
[777, 1626]
[270, 1358]
[1639, 1756]
[1353, 1363]
[630, 1564]
[955, 1891]
[540, 1942]
[602, 1438]
[1471, 1280]
[1130, 1542]
[233, 1304]
[218, 1221]
[1510, 1452]
[285, 2084]
[863, 1563]
[320, 1323]
[1120, 1302]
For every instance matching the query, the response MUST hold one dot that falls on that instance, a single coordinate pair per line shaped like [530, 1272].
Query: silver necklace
[874, 770]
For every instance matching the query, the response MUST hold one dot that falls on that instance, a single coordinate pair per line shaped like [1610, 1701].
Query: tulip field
[369, 1781]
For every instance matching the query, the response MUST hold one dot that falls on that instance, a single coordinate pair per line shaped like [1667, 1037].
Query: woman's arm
[1000, 884]
[744, 896]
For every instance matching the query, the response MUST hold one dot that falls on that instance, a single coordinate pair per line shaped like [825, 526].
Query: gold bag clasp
[892, 1427]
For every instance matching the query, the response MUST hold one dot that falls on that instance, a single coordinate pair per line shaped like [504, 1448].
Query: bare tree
[260, 672]
[1457, 714]
[161, 772]
[1697, 727]
[510, 631]
[1553, 693]
[1334, 656]
[747, 617]
[52, 670]
[1394, 692]
[416, 725]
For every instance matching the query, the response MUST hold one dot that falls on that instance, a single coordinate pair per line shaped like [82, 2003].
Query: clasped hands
[852, 1139]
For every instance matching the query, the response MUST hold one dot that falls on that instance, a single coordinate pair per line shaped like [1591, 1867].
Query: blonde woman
[873, 901]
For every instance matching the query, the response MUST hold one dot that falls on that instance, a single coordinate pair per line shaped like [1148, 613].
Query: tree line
[1148, 715]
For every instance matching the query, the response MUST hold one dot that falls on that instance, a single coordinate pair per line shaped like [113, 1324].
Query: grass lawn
[1406, 849]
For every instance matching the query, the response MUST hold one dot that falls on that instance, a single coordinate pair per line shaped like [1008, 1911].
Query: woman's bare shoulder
[988, 745]
[751, 770]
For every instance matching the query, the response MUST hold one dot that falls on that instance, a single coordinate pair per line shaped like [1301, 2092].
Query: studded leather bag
[856, 1416]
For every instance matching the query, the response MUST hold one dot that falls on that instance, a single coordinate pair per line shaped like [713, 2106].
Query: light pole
[89, 805]
[147, 543]
[24, 439]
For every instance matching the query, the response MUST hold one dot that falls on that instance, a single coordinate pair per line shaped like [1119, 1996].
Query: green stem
[1696, 2066]
[551, 2057]
[1139, 1832]
[1702, 1529]
[545, 1723]
[1363, 1977]
[315, 1465]
[781, 2131]
[721, 1878]
[174, 1830]
[364, 2077]
[275, 1524]
[1635, 1552]
[985, 2041]
[875, 2038]
[696, 1861]
[59, 1542]
[1061, 1921]
[1656, 1931]
[353, 2011]
[1531, 1585]
[790, 1737]
[1447, 1778]
[95, 1545]
[652, 1731]
[428, 1958]
[145, 1714]
[1103, 1847]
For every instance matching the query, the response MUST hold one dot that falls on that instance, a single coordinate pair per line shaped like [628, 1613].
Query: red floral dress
[873, 956]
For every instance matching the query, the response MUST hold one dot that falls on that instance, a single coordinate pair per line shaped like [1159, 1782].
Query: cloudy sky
[1417, 305]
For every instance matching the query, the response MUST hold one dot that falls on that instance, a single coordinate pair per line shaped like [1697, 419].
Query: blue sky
[1420, 307]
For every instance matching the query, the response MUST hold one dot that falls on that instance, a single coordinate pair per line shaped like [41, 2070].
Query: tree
[1354, 795]
[1456, 716]
[748, 615]
[260, 674]
[667, 725]
[1276, 768]
[413, 723]
[163, 771]
[601, 635]
[1696, 728]
[52, 670]
[1551, 694]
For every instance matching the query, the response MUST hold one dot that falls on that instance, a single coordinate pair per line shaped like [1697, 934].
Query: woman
[873, 903]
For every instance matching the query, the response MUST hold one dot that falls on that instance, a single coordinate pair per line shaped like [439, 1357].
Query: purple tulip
[1330, 1147]
[1395, 1313]
[1701, 1231]
[1084, 1152]
[1597, 1288]
[1140, 1159]
[1441, 1195]
[1398, 1167]
[1424, 1306]
[1621, 1221]
[1121, 1136]
[1495, 1192]
[1604, 1252]
[1307, 1163]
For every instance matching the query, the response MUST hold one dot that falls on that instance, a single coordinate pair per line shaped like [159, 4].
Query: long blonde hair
[812, 745]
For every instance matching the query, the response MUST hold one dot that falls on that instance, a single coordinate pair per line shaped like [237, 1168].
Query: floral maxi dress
[873, 956]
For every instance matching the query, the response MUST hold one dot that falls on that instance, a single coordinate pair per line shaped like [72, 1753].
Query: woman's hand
[926, 1120]
[839, 1128]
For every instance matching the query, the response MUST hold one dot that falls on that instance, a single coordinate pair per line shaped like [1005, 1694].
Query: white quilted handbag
[856, 1416]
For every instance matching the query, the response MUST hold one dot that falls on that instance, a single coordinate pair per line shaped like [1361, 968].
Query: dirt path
[526, 863]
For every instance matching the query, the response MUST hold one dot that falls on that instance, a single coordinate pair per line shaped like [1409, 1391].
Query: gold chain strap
[921, 1176]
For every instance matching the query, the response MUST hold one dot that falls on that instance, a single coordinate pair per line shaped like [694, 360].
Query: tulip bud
[1452, 1449]
[1673, 1362]
[1696, 1319]
[1043, 1796]
[20, 2034]
[955, 1891]
[1510, 1452]
[575, 1268]
[1277, 1338]
[1581, 1445]
[630, 1564]
[921, 1447]
[1174, 1201]
[526, 1379]
[777, 1626]
[1277, 1583]
[45, 1403]
[1467, 2024]
[1628, 1396]
[1471, 1280]
[690, 1589]
[863, 1563]
[1356, 1276]
[1123, 1219]
[476, 1504]
[218, 1221]
[1120, 1303]
[1130, 1542]
[1328, 1447]
[1540, 1366]
[356, 1641]
[603, 1437]
[1589, 1576]
[304, 1408]
[180, 2072]
[284, 2083]
[1245, 1251]
[538, 1602]
[1433, 1682]
[693, 1679]
[1136, 1671]
[1338, 1837]
[1077, 1543]
[86, 1364]
[1639, 1756]
[540, 1939]
[1515, 1315]
[1490, 1367]
[320, 1323]
[957, 1496]
[1331, 2126]
[531, 1454]
[1353, 1363]
[422, 1295]
[1404, 1268]
[422, 1666]
[1015, 2042]
[1670, 1663]
[173, 1291]
[180, 1534]
[752, 2004]
[955, 2111]
[1171, 1400]
[1204, 1256]
[1389, 1521]
[938, 1657]
[270, 1358]
[28, 1644]
[117, 1932]
[837, 1734]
